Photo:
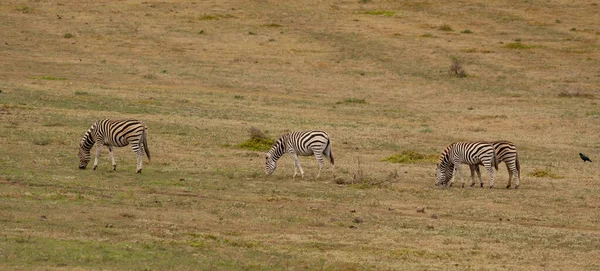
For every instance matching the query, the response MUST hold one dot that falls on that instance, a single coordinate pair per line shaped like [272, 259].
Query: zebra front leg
[297, 165]
[112, 157]
[473, 168]
[98, 149]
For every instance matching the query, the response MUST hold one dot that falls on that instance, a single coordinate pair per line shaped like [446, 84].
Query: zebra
[471, 153]
[114, 133]
[505, 152]
[303, 143]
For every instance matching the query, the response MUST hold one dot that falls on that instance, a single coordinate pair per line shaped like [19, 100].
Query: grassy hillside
[376, 75]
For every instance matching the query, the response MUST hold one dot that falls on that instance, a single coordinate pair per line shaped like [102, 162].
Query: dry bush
[456, 68]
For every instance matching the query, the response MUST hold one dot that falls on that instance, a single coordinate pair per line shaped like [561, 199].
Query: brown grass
[204, 205]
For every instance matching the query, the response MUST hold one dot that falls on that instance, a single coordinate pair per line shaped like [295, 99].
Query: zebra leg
[112, 157]
[473, 168]
[98, 149]
[297, 165]
[510, 175]
[460, 173]
[479, 176]
[491, 172]
[320, 162]
[140, 158]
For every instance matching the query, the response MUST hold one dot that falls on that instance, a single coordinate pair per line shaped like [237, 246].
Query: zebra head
[442, 176]
[270, 163]
[84, 155]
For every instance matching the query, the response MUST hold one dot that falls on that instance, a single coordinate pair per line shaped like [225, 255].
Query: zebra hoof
[95, 167]
[491, 186]
[462, 186]
[508, 186]
[114, 168]
[482, 185]
[517, 186]
[139, 171]
[473, 184]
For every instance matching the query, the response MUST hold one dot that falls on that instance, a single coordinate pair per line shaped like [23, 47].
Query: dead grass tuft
[457, 69]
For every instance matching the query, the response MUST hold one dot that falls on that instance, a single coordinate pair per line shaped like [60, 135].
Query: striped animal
[304, 143]
[114, 133]
[505, 152]
[470, 153]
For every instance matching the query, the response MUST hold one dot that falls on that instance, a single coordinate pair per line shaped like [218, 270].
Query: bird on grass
[584, 158]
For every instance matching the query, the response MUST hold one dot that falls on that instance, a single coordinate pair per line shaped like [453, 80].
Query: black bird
[584, 158]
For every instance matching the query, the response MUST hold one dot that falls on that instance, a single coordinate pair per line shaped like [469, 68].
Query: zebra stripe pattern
[505, 152]
[470, 153]
[114, 133]
[303, 143]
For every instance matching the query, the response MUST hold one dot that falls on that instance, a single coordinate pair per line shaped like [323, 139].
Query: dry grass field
[376, 75]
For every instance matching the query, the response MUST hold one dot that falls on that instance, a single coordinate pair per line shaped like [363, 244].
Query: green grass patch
[258, 141]
[518, 45]
[68, 36]
[24, 9]
[410, 156]
[544, 173]
[50, 78]
[214, 17]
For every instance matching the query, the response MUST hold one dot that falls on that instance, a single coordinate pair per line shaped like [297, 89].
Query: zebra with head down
[304, 143]
[470, 153]
[114, 133]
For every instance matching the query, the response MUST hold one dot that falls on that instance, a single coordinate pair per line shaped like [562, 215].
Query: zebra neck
[88, 141]
[278, 150]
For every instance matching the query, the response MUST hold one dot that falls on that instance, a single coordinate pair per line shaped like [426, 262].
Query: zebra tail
[330, 152]
[145, 143]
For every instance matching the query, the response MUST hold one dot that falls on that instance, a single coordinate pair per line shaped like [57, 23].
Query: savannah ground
[373, 74]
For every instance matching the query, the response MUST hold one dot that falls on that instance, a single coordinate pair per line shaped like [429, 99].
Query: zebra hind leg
[140, 157]
[297, 165]
[491, 172]
[320, 162]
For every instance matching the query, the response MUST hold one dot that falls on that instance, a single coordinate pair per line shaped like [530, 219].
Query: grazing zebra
[471, 153]
[505, 152]
[114, 133]
[304, 143]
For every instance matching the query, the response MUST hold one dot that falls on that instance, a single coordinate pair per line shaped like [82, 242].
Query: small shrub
[251, 33]
[427, 35]
[557, 21]
[258, 141]
[456, 68]
[238, 97]
[352, 101]
[410, 157]
[518, 45]
[445, 27]
[573, 29]
[543, 173]
[466, 31]
[68, 36]
[201, 32]
[81, 93]
[150, 76]
[163, 71]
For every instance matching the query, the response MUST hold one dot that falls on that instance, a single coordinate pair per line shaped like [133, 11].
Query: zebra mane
[278, 148]
[87, 141]
[445, 156]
